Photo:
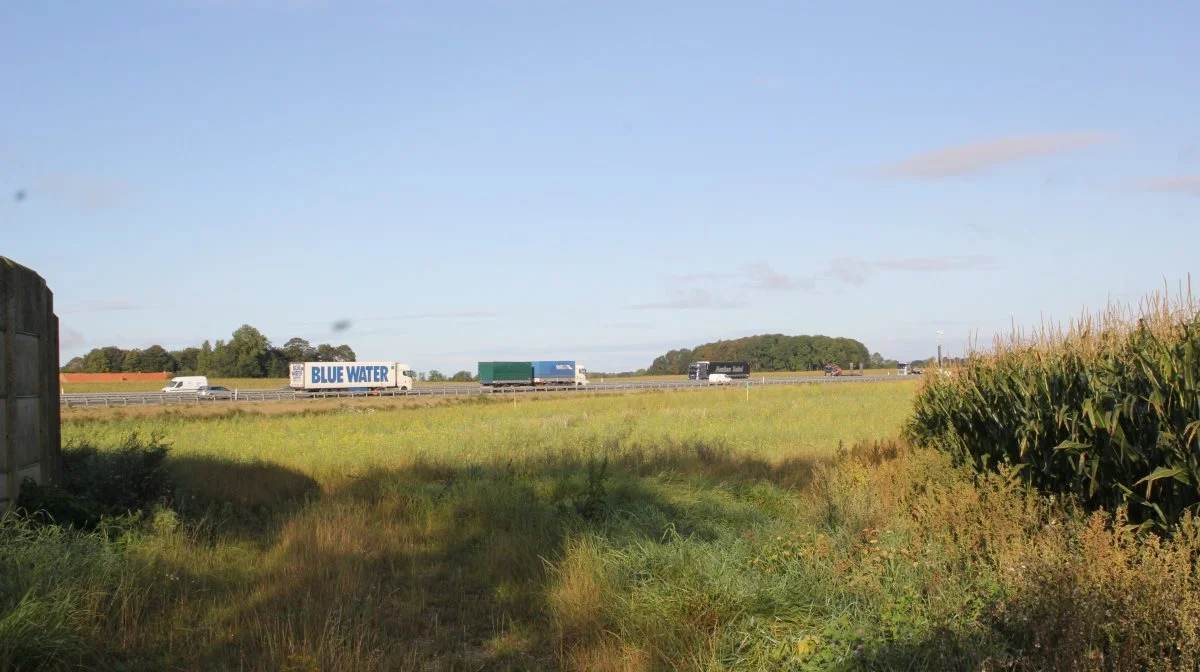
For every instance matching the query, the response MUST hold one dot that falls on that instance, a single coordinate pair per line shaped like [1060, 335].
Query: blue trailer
[554, 372]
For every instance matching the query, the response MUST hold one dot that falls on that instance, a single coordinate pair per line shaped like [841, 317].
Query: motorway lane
[157, 398]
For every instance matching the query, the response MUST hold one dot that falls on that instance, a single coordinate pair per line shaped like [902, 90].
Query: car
[214, 392]
[719, 378]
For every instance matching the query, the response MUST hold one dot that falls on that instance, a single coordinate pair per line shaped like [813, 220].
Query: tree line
[248, 354]
[771, 352]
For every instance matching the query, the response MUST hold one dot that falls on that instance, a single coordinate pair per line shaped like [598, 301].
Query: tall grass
[634, 533]
[1106, 410]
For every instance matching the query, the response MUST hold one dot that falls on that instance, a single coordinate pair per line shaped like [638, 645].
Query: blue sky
[594, 181]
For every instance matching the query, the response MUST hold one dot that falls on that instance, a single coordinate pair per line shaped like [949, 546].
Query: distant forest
[248, 354]
[773, 352]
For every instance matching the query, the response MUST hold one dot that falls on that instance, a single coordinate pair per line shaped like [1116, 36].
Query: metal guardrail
[121, 399]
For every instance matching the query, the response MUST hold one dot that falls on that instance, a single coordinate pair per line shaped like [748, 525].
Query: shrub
[98, 484]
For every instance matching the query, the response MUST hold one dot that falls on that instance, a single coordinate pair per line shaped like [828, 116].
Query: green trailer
[505, 373]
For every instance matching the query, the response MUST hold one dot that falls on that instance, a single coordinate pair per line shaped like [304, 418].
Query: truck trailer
[533, 373]
[702, 370]
[350, 376]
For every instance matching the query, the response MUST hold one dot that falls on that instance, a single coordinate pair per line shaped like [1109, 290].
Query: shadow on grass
[446, 567]
[248, 500]
[436, 566]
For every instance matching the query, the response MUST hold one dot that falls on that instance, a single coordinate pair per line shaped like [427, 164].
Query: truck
[186, 384]
[350, 376]
[554, 372]
[703, 369]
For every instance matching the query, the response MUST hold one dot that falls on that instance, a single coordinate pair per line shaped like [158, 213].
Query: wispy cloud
[69, 339]
[720, 291]
[86, 192]
[1178, 184]
[762, 277]
[965, 159]
[937, 264]
[690, 298]
[105, 305]
[849, 271]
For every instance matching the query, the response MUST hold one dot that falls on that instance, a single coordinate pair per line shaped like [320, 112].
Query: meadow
[683, 530]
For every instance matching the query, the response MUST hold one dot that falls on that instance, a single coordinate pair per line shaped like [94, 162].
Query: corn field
[1106, 410]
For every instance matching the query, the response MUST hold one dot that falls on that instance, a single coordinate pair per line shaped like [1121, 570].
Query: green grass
[687, 530]
[774, 423]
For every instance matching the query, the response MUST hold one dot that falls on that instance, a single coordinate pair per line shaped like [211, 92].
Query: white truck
[350, 376]
[186, 384]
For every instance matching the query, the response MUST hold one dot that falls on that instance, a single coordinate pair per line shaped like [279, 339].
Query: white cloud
[85, 192]
[975, 157]
[1178, 184]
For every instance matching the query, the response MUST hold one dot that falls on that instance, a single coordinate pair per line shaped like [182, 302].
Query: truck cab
[404, 377]
[580, 375]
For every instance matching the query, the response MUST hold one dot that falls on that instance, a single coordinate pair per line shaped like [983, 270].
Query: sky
[504, 179]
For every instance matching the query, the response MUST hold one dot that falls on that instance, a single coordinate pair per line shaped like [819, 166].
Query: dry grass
[667, 530]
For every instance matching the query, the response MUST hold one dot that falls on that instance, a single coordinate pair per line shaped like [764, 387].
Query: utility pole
[939, 346]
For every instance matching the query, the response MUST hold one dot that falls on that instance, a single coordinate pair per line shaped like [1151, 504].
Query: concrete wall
[29, 415]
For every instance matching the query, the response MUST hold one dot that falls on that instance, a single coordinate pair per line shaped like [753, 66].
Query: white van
[719, 378]
[186, 384]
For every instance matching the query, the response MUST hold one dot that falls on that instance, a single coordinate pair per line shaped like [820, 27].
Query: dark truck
[702, 370]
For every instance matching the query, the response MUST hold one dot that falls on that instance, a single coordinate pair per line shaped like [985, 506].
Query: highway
[109, 399]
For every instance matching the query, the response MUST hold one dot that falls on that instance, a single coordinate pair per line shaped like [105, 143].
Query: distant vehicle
[350, 376]
[833, 370]
[532, 373]
[214, 392]
[907, 369]
[702, 370]
[186, 384]
[719, 378]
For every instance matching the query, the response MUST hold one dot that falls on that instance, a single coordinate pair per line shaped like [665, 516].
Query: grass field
[689, 530]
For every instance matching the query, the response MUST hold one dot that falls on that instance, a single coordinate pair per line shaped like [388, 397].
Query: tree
[329, 353]
[187, 359]
[248, 349]
[132, 363]
[768, 352]
[155, 359]
[462, 377]
[436, 376]
[299, 350]
[115, 358]
[205, 360]
[222, 361]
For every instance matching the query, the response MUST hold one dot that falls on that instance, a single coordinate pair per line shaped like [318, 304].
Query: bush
[98, 484]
